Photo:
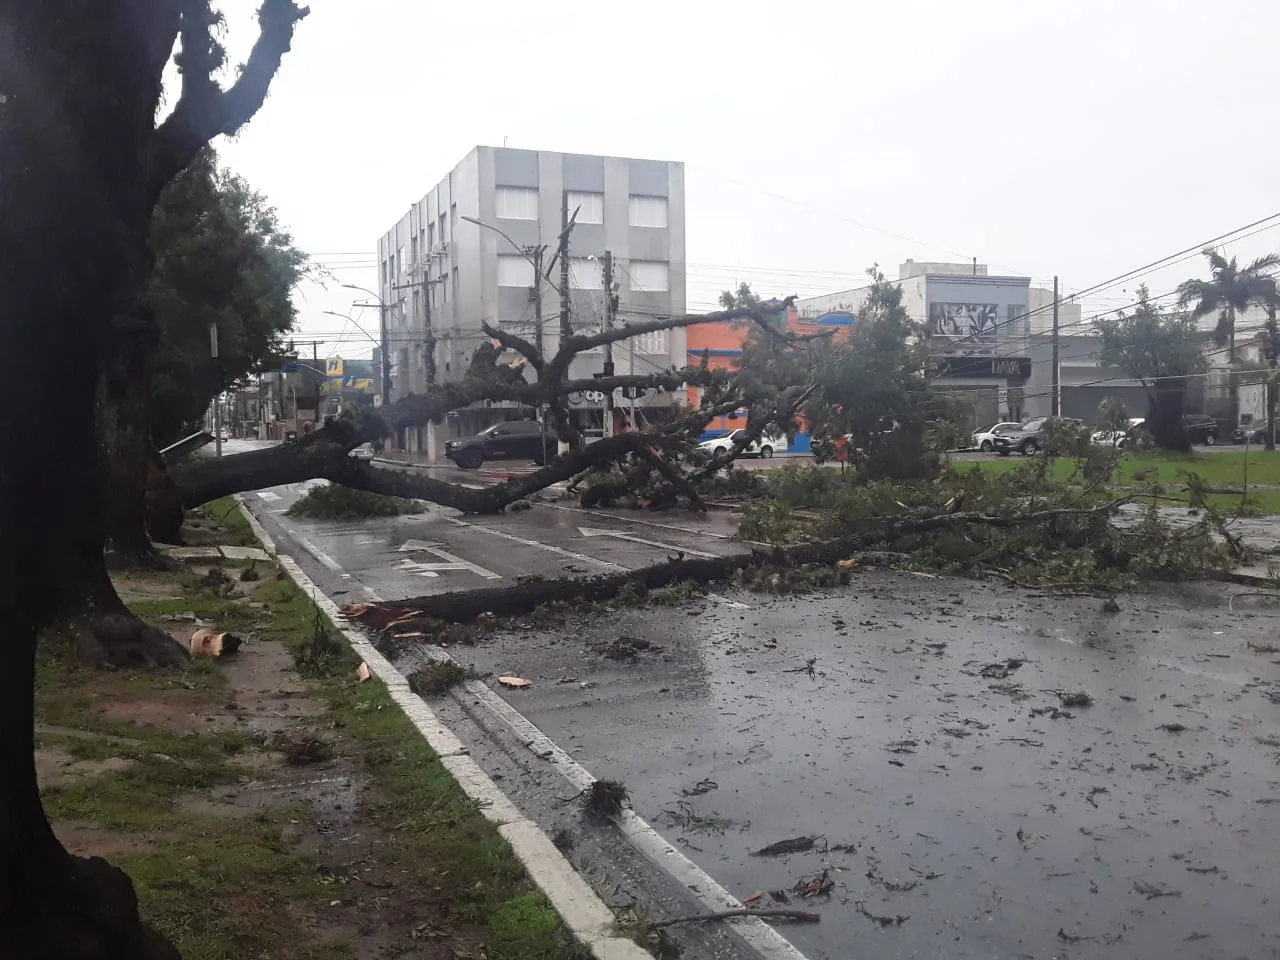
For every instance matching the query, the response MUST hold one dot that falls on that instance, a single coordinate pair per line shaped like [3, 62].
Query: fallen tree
[465, 606]
[326, 453]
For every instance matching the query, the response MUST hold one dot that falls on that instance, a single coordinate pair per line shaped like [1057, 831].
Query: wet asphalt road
[998, 822]
[963, 803]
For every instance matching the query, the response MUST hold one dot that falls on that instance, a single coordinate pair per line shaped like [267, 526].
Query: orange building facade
[721, 345]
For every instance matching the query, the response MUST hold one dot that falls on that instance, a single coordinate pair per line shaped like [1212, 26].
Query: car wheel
[470, 459]
[986, 446]
[1030, 448]
[721, 451]
[766, 452]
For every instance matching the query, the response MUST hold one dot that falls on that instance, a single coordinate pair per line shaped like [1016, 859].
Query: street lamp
[382, 344]
[534, 256]
[352, 321]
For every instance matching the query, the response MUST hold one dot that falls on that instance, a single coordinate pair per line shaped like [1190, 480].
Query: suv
[1201, 428]
[512, 440]
[1028, 438]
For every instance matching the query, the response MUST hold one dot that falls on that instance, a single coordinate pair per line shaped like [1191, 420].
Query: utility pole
[429, 340]
[535, 256]
[1057, 386]
[217, 399]
[1271, 347]
[565, 330]
[610, 313]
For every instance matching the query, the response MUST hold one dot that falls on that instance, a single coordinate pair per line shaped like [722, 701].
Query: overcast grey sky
[1082, 138]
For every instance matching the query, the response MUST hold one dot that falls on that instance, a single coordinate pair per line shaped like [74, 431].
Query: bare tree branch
[518, 344]
[205, 111]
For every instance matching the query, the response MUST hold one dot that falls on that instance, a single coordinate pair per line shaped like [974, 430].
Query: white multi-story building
[439, 267]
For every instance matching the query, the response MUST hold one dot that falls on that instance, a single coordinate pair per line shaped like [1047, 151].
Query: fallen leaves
[1152, 890]
[783, 847]
[815, 886]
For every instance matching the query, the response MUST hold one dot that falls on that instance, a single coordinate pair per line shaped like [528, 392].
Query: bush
[334, 502]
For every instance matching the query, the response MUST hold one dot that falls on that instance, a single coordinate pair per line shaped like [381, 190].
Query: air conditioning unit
[533, 294]
[440, 250]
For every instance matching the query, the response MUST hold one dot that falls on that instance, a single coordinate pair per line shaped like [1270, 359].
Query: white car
[363, 452]
[1117, 438]
[766, 446]
[985, 440]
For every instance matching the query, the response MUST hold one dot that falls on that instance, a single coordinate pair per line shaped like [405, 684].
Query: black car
[1028, 438]
[512, 440]
[1201, 428]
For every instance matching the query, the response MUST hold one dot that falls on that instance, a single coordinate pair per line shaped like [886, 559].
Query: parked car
[1252, 433]
[512, 440]
[985, 440]
[1201, 428]
[1118, 438]
[363, 452]
[765, 446]
[1029, 438]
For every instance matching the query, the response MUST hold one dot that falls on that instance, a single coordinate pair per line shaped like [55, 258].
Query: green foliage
[1229, 290]
[1164, 352]
[875, 391]
[221, 256]
[335, 502]
[741, 298]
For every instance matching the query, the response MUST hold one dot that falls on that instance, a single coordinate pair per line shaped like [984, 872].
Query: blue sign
[290, 368]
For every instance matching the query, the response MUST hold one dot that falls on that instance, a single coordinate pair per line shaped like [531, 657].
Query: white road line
[761, 937]
[584, 913]
[581, 557]
[648, 523]
[268, 495]
[631, 538]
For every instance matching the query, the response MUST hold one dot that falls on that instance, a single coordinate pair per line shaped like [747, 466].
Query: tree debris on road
[782, 847]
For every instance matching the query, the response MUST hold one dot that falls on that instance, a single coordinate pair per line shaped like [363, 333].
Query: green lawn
[1216, 469]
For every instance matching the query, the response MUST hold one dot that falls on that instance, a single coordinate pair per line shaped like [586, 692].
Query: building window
[386, 271]
[455, 283]
[514, 271]
[517, 203]
[590, 206]
[453, 217]
[649, 276]
[653, 342]
[444, 233]
[431, 238]
[413, 252]
[400, 261]
[648, 211]
[417, 303]
[585, 274]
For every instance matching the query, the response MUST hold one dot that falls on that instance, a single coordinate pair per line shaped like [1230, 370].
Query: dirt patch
[86, 840]
[55, 767]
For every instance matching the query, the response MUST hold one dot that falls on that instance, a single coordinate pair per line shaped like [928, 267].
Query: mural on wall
[974, 323]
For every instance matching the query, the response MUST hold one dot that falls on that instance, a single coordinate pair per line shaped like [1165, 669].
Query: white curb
[588, 918]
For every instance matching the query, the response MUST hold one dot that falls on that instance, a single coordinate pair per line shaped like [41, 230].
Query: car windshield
[1033, 424]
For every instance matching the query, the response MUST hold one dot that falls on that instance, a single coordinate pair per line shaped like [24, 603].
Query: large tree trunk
[1164, 415]
[1273, 389]
[80, 81]
[123, 431]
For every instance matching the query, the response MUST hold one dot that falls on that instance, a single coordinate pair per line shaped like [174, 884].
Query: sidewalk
[269, 802]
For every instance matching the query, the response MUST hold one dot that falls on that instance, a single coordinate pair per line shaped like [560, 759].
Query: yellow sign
[333, 367]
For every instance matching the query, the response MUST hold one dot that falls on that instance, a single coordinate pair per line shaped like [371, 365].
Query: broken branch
[800, 916]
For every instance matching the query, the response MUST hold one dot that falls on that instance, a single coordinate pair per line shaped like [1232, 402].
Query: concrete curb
[588, 918]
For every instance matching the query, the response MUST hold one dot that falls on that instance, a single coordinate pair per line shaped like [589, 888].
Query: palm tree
[1230, 290]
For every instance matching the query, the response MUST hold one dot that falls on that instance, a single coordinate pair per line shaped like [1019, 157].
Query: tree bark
[126, 454]
[1165, 403]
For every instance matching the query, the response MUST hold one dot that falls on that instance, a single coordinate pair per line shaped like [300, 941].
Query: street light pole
[382, 345]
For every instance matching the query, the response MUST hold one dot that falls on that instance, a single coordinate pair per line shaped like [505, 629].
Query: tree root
[119, 639]
[90, 914]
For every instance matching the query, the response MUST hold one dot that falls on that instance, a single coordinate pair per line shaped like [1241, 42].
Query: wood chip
[754, 898]
[516, 683]
[362, 672]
